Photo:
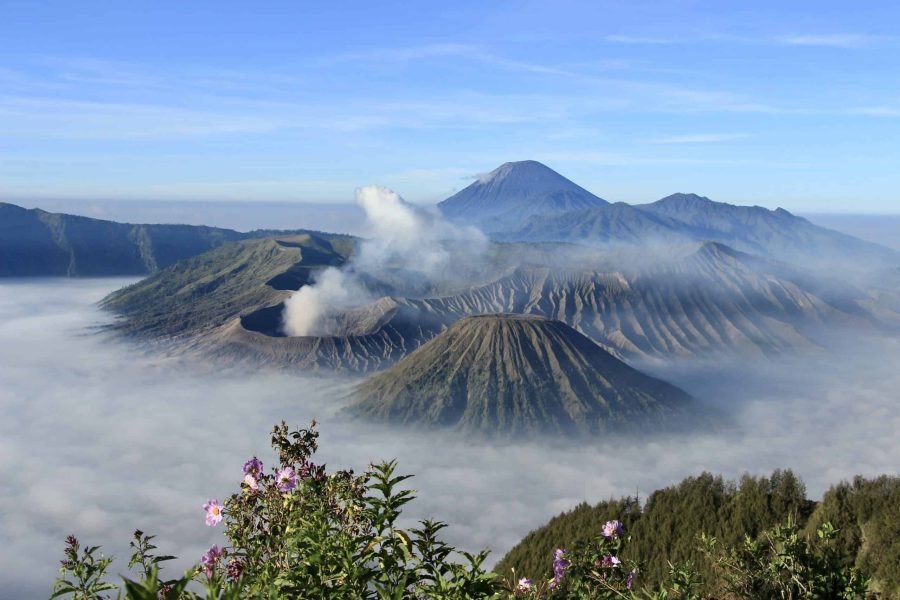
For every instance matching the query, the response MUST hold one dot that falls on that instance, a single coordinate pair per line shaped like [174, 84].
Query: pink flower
[250, 482]
[610, 561]
[286, 480]
[253, 467]
[210, 559]
[214, 512]
[613, 529]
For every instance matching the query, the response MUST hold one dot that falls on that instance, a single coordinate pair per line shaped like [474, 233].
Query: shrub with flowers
[297, 531]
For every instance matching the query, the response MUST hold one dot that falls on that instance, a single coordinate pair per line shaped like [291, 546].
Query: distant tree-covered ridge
[295, 530]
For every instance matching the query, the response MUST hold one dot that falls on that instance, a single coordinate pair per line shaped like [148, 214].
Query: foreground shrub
[297, 531]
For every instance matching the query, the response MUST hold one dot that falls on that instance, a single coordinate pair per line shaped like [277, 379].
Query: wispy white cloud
[111, 74]
[103, 72]
[600, 158]
[570, 132]
[275, 190]
[830, 40]
[404, 54]
[470, 52]
[587, 156]
[100, 99]
[245, 189]
[639, 39]
[698, 138]
[877, 111]
[34, 116]
[681, 99]
[420, 174]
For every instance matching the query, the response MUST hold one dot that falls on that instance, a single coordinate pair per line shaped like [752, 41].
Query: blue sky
[793, 104]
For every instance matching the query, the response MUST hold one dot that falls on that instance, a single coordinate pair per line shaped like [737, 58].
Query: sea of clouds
[99, 437]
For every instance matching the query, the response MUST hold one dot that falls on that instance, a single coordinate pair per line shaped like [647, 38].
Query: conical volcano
[515, 374]
[502, 199]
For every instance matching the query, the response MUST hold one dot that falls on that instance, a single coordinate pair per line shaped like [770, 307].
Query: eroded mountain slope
[514, 374]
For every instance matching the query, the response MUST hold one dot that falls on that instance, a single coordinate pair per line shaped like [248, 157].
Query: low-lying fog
[98, 439]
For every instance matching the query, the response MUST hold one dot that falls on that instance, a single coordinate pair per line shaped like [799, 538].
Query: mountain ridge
[558, 210]
[34, 242]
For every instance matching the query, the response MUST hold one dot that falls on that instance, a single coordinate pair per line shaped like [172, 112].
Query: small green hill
[516, 374]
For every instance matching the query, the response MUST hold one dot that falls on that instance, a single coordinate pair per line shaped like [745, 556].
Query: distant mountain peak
[529, 169]
[505, 197]
[527, 177]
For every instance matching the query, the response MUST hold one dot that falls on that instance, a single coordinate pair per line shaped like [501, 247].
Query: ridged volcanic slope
[515, 374]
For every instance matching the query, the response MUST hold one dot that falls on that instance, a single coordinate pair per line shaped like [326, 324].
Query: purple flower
[610, 561]
[210, 559]
[253, 467]
[250, 482]
[630, 581]
[560, 564]
[213, 512]
[613, 529]
[286, 480]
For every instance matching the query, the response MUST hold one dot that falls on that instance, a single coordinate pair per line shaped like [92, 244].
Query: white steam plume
[405, 243]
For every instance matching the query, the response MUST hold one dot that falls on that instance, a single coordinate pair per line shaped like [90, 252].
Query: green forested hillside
[665, 526]
[867, 514]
